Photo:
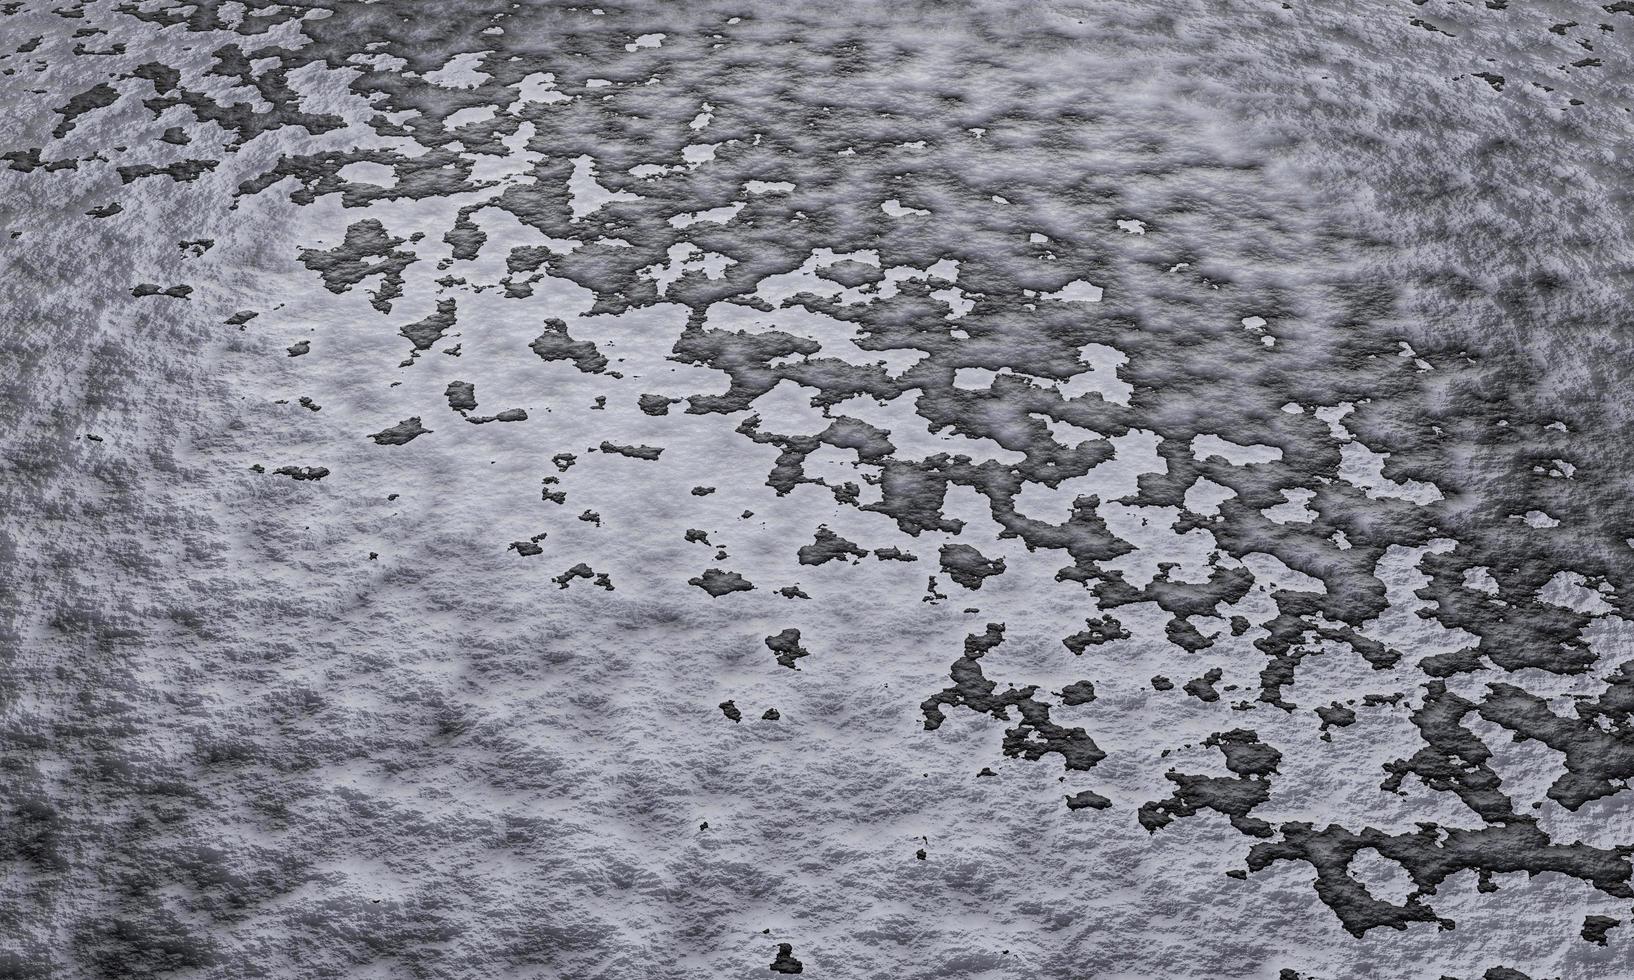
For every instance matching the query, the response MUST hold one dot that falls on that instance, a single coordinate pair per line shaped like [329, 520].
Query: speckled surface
[969, 490]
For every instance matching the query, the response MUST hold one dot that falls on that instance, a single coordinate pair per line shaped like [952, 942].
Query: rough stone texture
[1267, 351]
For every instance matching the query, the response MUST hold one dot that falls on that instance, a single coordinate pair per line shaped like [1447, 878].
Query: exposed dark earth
[961, 490]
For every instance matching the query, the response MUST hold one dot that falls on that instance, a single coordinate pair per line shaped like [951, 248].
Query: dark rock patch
[718, 583]
[969, 567]
[400, 434]
[786, 646]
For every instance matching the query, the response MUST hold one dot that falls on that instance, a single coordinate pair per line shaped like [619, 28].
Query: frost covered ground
[967, 490]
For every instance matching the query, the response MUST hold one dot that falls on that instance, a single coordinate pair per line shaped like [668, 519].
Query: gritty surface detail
[984, 490]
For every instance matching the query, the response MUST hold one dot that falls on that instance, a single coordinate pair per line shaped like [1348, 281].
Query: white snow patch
[684, 257]
[697, 153]
[1384, 879]
[1294, 511]
[974, 379]
[540, 87]
[1363, 468]
[588, 196]
[1570, 590]
[719, 216]
[461, 71]
[1076, 291]
[368, 172]
[1102, 376]
[896, 209]
[469, 115]
[1204, 497]
[1480, 579]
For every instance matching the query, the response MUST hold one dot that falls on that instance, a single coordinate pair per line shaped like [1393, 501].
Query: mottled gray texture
[1249, 375]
